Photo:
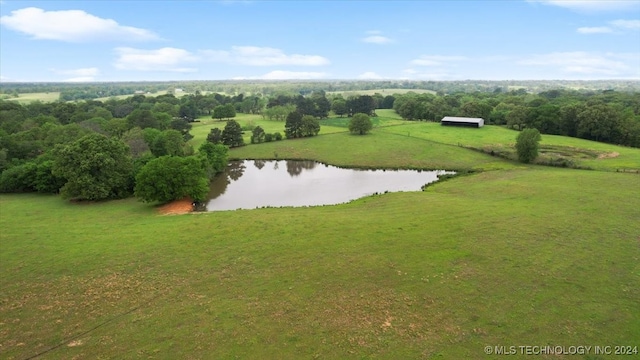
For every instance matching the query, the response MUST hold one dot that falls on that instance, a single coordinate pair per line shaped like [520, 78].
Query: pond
[251, 184]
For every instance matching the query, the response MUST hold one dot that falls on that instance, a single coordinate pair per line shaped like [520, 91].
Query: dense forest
[37, 139]
[85, 91]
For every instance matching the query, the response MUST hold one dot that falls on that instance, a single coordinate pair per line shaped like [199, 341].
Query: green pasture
[201, 129]
[529, 256]
[30, 97]
[584, 152]
[383, 92]
[521, 255]
[378, 149]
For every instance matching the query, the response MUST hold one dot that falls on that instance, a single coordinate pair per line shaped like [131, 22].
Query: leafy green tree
[183, 126]
[257, 135]
[339, 107]
[387, 102]
[361, 104]
[215, 136]
[216, 157]
[293, 125]
[169, 142]
[96, 168]
[599, 122]
[517, 117]
[226, 111]
[142, 119]
[232, 134]
[527, 145]
[360, 124]
[171, 178]
[310, 126]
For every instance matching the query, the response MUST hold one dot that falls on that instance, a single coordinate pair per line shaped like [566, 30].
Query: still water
[251, 184]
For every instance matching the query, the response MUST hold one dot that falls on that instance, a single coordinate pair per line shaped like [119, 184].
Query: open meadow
[44, 97]
[509, 255]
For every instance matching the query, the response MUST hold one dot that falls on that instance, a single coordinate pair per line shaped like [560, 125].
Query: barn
[462, 121]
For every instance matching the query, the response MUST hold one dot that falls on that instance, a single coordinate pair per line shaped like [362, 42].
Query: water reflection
[259, 183]
[295, 167]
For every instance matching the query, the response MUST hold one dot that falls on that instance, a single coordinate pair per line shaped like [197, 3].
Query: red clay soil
[177, 207]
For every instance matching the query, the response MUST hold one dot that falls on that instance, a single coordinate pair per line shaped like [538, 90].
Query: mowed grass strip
[530, 256]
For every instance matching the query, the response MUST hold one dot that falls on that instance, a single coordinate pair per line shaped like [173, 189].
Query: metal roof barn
[462, 121]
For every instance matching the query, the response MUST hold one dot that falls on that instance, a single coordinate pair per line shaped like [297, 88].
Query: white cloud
[377, 39]
[286, 75]
[594, 30]
[374, 32]
[71, 26]
[626, 24]
[591, 5]
[580, 62]
[164, 59]
[436, 60]
[369, 75]
[262, 56]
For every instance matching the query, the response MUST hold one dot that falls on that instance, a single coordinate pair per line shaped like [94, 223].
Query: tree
[227, 111]
[142, 119]
[257, 135]
[171, 178]
[96, 168]
[183, 126]
[310, 126]
[361, 104]
[232, 134]
[215, 136]
[387, 102]
[215, 156]
[169, 142]
[360, 124]
[339, 107]
[516, 118]
[527, 145]
[293, 125]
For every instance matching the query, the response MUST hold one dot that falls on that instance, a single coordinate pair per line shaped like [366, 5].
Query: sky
[117, 40]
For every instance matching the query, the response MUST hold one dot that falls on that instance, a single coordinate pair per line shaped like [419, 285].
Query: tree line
[606, 116]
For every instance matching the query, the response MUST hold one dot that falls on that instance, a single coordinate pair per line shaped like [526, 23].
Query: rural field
[508, 255]
[30, 97]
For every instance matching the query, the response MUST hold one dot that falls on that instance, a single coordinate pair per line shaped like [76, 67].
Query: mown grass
[378, 149]
[30, 97]
[531, 256]
[201, 129]
[583, 152]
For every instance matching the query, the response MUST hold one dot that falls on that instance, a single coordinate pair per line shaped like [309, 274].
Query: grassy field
[532, 256]
[30, 97]
[517, 256]
[383, 92]
[583, 152]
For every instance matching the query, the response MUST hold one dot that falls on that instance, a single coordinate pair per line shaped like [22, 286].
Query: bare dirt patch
[609, 155]
[183, 206]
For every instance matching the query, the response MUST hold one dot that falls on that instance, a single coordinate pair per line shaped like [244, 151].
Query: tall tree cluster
[92, 150]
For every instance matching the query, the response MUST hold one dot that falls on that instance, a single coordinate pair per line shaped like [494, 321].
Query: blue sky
[415, 40]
